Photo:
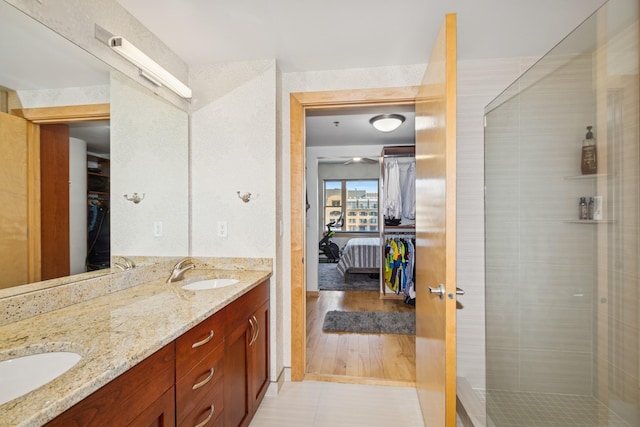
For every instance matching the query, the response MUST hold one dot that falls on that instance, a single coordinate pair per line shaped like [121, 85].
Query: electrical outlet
[222, 228]
[158, 229]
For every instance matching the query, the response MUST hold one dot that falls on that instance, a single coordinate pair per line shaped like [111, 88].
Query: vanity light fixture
[148, 67]
[387, 122]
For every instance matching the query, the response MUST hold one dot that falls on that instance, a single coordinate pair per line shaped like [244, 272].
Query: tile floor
[328, 404]
[525, 409]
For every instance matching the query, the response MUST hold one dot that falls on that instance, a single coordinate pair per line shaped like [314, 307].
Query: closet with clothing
[397, 222]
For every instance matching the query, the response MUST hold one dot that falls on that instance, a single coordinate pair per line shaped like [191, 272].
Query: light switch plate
[222, 228]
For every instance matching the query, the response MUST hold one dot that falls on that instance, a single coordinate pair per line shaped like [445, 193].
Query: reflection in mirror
[150, 156]
[40, 70]
[45, 170]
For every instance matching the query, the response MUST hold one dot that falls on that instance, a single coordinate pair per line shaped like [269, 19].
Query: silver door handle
[440, 291]
[459, 291]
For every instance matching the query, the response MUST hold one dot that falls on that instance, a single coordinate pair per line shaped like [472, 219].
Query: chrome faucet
[178, 270]
[126, 263]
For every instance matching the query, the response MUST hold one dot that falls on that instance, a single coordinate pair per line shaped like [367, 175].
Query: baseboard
[275, 386]
[313, 294]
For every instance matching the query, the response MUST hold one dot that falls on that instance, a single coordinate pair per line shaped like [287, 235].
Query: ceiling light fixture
[387, 122]
[148, 67]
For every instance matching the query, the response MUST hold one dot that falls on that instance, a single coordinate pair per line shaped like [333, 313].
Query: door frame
[35, 117]
[299, 103]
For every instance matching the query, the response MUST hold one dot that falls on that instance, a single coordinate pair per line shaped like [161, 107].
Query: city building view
[356, 200]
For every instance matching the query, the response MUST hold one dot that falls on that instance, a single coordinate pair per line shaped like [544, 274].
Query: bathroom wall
[539, 266]
[617, 311]
[233, 148]
[149, 156]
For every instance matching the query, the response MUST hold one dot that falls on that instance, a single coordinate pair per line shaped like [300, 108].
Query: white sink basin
[23, 374]
[209, 284]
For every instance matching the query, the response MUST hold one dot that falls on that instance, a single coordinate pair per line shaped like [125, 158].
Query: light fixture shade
[387, 122]
[151, 69]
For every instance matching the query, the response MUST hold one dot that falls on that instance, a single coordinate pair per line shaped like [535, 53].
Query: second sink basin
[209, 284]
[23, 374]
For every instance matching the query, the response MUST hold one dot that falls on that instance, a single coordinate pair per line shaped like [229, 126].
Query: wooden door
[54, 186]
[436, 232]
[14, 250]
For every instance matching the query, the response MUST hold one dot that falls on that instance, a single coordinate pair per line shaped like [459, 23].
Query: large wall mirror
[141, 146]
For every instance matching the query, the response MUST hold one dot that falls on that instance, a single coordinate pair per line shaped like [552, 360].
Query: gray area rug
[330, 280]
[373, 322]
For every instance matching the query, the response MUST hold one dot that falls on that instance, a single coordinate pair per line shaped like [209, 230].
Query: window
[354, 198]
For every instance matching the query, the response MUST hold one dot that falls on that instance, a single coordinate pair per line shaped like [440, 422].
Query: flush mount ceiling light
[148, 67]
[387, 122]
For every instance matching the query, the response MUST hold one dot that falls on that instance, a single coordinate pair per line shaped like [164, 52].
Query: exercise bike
[328, 248]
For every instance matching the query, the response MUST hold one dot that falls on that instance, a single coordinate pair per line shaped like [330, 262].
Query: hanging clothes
[393, 193]
[399, 265]
[409, 193]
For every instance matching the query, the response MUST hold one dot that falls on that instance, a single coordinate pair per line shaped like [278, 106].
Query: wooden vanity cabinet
[142, 396]
[246, 362]
[213, 375]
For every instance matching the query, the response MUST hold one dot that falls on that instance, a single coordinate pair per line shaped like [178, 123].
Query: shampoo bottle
[589, 158]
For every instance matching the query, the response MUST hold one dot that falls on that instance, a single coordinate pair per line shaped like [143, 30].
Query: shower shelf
[591, 176]
[588, 221]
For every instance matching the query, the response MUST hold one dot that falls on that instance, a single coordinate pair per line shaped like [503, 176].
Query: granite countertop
[112, 333]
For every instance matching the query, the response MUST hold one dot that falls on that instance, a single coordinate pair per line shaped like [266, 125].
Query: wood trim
[357, 97]
[65, 114]
[450, 217]
[299, 102]
[298, 270]
[33, 202]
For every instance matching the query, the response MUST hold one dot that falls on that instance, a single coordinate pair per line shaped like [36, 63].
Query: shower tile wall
[617, 341]
[539, 267]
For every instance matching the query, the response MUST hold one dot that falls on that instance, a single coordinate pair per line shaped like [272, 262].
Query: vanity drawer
[195, 344]
[199, 382]
[209, 407]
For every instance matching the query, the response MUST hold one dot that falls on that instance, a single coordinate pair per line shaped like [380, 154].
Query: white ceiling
[336, 34]
[303, 36]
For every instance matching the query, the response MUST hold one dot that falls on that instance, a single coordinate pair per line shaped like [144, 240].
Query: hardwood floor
[359, 358]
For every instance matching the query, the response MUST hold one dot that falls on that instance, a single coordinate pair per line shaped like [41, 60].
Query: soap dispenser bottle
[589, 157]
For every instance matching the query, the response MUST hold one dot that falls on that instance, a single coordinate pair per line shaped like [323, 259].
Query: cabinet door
[259, 356]
[161, 413]
[236, 380]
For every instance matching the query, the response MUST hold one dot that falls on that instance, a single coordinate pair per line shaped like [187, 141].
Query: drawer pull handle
[253, 331]
[256, 332]
[211, 409]
[204, 341]
[204, 381]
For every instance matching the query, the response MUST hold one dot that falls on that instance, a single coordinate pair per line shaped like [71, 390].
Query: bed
[360, 255]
